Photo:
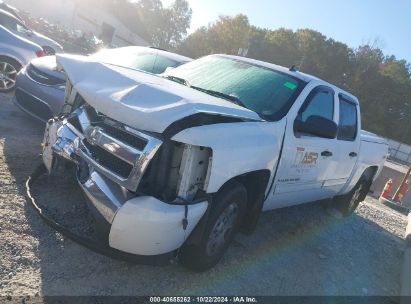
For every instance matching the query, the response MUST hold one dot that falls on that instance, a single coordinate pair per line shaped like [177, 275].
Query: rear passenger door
[348, 142]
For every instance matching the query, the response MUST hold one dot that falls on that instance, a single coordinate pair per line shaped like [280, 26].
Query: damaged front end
[144, 190]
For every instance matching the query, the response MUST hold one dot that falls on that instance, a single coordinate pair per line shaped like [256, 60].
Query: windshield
[268, 92]
[144, 60]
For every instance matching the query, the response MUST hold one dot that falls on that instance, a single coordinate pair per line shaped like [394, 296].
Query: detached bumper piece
[96, 244]
[109, 162]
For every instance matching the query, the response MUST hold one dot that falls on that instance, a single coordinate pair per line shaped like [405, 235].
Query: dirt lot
[295, 251]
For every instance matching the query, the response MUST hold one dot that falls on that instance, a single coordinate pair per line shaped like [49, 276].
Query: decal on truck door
[304, 161]
[304, 158]
[302, 166]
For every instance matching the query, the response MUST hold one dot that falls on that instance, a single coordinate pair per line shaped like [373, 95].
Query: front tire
[8, 73]
[223, 223]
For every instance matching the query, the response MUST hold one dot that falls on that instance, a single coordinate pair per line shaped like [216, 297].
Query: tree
[226, 35]
[163, 27]
[280, 46]
[166, 27]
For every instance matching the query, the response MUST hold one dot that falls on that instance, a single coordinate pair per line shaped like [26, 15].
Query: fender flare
[13, 58]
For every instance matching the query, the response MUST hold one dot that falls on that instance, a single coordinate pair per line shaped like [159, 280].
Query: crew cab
[178, 163]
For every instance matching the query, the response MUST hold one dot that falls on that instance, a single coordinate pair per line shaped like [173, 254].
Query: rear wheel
[49, 51]
[222, 225]
[8, 73]
[349, 202]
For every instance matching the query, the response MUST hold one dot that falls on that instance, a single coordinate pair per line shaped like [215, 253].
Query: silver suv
[15, 52]
[16, 26]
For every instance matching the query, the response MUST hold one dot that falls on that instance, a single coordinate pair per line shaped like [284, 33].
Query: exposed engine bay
[142, 163]
[133, 179]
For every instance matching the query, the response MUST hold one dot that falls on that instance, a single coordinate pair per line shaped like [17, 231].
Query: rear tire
[226, 215]
[49, 51]
[349, 202]
[8, 73]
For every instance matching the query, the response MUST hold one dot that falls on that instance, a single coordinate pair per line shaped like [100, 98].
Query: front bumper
[135, 224]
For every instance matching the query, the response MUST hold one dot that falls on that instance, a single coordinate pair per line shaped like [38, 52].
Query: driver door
[306, 159]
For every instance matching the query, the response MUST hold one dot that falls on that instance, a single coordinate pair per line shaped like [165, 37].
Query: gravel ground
[303, 250]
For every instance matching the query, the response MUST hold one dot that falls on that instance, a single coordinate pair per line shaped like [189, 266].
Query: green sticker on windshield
[290, 85]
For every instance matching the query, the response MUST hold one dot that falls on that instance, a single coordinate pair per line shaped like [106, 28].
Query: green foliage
[381, 83]
[163, 27]
[226, 35]
[166, 26]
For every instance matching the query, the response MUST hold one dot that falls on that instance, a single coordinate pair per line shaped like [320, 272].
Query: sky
[353, 22]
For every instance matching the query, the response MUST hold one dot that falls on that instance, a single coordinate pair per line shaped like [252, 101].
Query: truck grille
[108, 160]
[130, 139]
[120, 153]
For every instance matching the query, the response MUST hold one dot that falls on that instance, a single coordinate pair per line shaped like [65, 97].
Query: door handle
[352, 154]
[326, 153]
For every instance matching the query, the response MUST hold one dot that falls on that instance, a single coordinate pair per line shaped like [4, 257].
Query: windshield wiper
[179, 80]
[228, 97]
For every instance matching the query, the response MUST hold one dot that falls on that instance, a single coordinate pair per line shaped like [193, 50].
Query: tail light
[40, 53]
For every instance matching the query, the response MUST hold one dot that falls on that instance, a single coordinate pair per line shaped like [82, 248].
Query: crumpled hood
[139, 99]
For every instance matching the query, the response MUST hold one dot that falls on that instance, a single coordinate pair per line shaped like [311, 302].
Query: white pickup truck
[177, 164]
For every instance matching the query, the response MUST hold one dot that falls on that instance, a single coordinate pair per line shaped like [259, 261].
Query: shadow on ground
[295, 251]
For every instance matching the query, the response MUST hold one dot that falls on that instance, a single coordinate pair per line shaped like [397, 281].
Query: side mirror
[317, 126]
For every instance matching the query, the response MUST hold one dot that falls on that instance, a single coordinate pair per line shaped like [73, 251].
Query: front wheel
[8, 73]
[223, 223]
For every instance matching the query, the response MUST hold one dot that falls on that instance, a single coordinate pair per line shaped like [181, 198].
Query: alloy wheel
[222, 229]
[355, 198]
[48, 51]
[8, 74]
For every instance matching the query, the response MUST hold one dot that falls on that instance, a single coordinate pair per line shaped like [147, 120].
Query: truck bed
[371, 137]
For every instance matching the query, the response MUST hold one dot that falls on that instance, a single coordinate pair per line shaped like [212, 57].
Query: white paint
[147, 226]
[237, 147]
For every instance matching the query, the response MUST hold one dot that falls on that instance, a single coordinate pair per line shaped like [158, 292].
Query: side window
[3, 20]
[8, 23]
[347, 125]
[320, 102]
[162, 63]
[22, 29]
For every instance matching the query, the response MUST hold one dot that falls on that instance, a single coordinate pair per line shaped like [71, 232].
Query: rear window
[162, 63]
[8, 23]
[138, 60]
[347, 126]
